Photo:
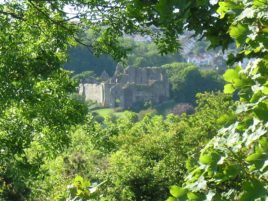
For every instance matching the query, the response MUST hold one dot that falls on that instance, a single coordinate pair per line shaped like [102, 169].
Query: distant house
[201, 59]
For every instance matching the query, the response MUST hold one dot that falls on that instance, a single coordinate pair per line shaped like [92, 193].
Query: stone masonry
[127, 87]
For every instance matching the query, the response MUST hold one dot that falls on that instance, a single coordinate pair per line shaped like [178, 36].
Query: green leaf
[229, 89]
[195, 196]
[265, 30]
[231, 171]
[265, 90]
[239, 32]
[247, 52]
[224, 7]
[80, 182]
[260, 3]
[232, 74]
[256, 96]
[192, 196]
[253, 190]
[209, 158]
[264, 143]
[177, 192]
[254, 157]
[171, 199]
[226, 118]
[260, 156]
[261, 111]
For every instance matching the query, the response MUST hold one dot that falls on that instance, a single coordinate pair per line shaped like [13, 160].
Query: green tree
[36, 111]
[139, 54]
[136, 160]
[146, 54]
[187, 80]
[233, 165]
[81, 59]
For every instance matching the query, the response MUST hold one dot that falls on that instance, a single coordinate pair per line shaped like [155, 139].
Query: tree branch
[19, 17]
[61, 24]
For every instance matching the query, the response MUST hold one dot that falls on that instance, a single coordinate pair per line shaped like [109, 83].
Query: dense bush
[186, 80]
[136, 160]
[181, 108]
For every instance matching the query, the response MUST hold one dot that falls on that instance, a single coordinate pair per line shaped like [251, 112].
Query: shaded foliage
[81, 59]
[36, 110]
[186, 80]
[233, 165]
[136, 160]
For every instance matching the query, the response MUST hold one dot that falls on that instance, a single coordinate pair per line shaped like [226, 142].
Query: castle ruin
[127, 87]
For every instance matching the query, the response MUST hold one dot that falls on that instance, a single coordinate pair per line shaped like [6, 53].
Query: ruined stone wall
[155, 74]
[160, 91]
[108, 99]
[142, 75]
[157, 92]
[129, 87]
[81, 90]
[92, 92]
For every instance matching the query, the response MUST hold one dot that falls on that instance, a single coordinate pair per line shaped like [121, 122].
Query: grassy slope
[161, 109]
[107, 112]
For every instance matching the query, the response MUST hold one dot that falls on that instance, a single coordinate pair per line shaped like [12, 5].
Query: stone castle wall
[142, 75]
[129, 86]
[92, 92]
